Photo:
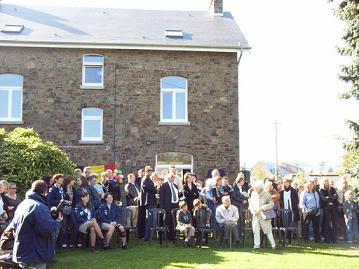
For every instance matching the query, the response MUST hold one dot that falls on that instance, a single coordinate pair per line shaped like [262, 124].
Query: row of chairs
[282, 226]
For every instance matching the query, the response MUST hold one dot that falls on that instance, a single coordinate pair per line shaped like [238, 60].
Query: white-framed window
[92, 124]
[174, 94]
[182, 161]
[11, 89]
[93, 70]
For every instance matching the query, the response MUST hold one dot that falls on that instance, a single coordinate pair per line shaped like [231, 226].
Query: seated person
[184, 222]
[85, 221]
[108, 213]
[202, 214]
[227, 217]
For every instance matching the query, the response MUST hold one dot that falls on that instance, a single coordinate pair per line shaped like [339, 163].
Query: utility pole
[276, 150]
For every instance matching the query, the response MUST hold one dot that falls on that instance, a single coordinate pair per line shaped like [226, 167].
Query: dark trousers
[330, 220]
[315, 220]
[148, 222]
[67, 228]
[141, 219]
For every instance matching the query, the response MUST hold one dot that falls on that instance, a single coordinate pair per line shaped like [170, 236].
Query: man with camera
[35, 229]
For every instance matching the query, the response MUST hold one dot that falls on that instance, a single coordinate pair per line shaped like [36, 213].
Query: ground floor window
[182, 161]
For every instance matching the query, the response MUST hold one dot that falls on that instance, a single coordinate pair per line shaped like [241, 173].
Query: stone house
[134, 87]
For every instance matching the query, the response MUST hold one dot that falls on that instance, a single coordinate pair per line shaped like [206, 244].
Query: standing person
[329, 198]
[351, 216]
[184, 222]
[140, 176]
[68, 223]
[108, 216]
[56, 192]
[82, 186]
[77, 172]
[87, 171]
[289, 199]
[216, 191]
[268, 186]
[343, 187]
[98, 186]
[6, 186]
[95, 197]
[260, 202]
[3, 214]
[226, 189]
[147, 201]
[49, 181]
[86, 223]
[169, 199]
[35, 229]
[227, 216]
[211, 201]
[309, 202]
[177, 180]
[239, 196]
[132, 192]
[11, 201]
[190, 191]
[113, 187]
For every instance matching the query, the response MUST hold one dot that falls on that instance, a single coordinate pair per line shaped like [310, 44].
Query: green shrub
[25, 158]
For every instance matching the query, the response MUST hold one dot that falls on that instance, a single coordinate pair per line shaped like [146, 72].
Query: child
[184, 222]
[350, 209]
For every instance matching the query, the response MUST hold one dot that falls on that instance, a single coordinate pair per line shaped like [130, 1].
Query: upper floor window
[93, 70]
[11, 97]
[174, 99]
[92, 124]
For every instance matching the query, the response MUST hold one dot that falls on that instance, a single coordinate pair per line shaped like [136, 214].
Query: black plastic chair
[176, 230]
[203, 230]
[287, 225]
[125, 218]
[246, 217]
[158, 216]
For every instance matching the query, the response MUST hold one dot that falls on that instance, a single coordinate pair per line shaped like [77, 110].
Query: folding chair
[287, 225]
[158, 220]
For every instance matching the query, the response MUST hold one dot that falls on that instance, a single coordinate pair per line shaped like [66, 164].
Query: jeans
[351, 229]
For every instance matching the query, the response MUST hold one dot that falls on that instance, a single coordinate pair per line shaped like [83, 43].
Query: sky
[290, 75]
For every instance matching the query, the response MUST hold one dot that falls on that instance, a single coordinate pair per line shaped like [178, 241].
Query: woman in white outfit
[259, 202]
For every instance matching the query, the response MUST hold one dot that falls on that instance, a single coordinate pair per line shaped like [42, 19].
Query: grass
[141, 255]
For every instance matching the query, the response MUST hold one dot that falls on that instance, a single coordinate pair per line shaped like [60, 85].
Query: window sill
[11, 122]
[91, 142]
[88, 87]
[186, 123]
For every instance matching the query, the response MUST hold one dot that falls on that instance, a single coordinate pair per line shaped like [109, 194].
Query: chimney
[216, 7]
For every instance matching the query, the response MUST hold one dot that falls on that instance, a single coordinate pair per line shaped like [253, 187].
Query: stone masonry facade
[53, 99]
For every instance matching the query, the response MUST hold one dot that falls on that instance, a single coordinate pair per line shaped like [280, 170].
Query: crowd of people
[63, 209]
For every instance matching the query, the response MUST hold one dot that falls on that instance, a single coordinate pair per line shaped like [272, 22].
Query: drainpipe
[239, 133]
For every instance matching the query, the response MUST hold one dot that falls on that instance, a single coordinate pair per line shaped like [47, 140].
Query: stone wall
[53, 101]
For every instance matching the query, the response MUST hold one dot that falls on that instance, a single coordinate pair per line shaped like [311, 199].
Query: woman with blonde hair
[261, 202]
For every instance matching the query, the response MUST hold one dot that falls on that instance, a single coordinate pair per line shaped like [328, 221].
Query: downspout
[239, 133]
[114, 114]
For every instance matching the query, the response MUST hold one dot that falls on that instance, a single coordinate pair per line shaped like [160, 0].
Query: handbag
[269, 214]
[67, 210]
[313, 211]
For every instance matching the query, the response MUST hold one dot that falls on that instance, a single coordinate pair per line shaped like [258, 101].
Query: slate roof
[106, 26]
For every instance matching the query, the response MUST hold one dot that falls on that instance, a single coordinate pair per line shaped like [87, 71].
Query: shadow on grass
[142, 255]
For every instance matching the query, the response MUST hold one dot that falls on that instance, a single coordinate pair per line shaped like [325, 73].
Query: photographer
[35, 229]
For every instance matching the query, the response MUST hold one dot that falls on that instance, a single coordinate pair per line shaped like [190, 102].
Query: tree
[260, 171]
[25, 157]
[348, 12]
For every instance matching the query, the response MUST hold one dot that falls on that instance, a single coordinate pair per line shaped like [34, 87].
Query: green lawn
[141, 255]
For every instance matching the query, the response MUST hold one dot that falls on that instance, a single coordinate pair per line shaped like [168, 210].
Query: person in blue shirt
[35, 229]
[108, 218]
[85, 220]
[56, 192]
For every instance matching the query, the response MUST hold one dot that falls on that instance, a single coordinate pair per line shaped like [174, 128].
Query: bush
[25, 158]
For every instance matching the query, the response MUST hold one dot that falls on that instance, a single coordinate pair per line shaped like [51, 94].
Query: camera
[55, 210]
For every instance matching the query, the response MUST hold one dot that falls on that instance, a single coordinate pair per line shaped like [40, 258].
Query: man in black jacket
[147, 201]
[169, 199]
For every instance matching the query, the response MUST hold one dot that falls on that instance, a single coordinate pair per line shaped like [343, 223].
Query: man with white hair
[227, 216]
[260, 202]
